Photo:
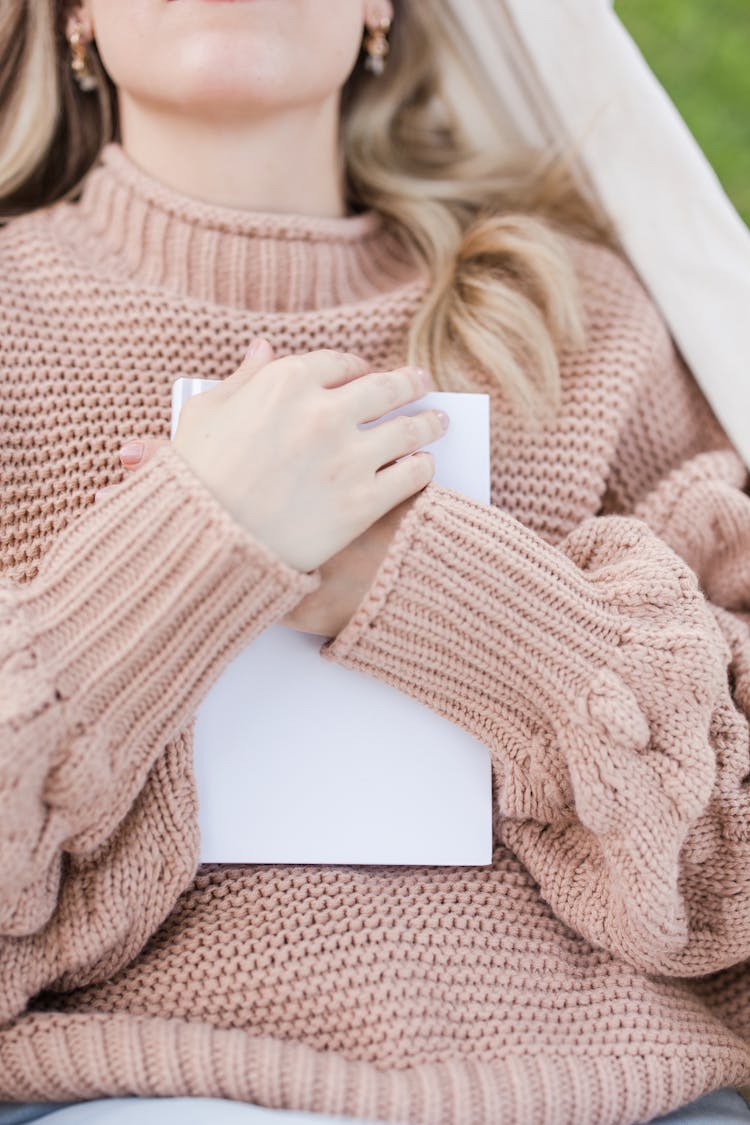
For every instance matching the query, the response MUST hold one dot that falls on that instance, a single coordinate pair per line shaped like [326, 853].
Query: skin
[230, 103]
[235, 103]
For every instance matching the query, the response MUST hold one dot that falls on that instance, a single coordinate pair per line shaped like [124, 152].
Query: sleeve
[104, 657]
[609, 676]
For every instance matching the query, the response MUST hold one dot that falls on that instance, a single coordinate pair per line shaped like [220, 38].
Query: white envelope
[299, 760]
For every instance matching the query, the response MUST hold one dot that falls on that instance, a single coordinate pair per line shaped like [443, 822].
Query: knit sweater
[591, 626]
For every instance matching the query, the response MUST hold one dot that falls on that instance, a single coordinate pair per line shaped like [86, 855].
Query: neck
[286, 161]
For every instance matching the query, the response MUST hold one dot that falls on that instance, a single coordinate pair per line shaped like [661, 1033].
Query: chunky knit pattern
[591, 626]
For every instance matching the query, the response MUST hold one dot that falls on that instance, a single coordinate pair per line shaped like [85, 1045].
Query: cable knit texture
[591, 626]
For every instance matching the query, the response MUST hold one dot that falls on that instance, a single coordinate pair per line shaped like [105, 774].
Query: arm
[104, 657]
[609, 675]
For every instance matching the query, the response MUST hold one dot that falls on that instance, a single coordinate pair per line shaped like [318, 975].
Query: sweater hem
[57, 1057]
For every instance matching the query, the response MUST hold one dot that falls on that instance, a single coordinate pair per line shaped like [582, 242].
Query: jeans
[722, 1107]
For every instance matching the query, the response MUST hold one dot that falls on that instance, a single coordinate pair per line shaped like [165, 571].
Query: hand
[346, 578]
[347, 574]
[280, 444]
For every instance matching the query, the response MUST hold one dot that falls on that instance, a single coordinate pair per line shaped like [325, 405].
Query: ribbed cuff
[481, 619]
[135, 612]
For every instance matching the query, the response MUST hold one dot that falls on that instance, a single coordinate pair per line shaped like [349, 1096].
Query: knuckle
[415, 379]
[390, 384]
[319, 418]
[411, 429]
[334, 355]
[293, 366]
[425, 466]
[355, 364]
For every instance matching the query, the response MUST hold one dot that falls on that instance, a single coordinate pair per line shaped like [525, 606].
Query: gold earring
[80, 63]
[377, 46]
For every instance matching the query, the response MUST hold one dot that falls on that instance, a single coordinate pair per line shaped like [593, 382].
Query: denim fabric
[163, 1111]
[723, 1107]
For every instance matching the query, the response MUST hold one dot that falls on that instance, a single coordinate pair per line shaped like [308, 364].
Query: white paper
[299, 760]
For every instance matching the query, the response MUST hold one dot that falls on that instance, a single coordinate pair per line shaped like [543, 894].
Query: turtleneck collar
[131, 223]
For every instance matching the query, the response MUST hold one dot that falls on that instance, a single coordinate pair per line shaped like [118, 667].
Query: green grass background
[700, 52]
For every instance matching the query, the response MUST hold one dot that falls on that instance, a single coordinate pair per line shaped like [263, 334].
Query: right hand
[281, 449]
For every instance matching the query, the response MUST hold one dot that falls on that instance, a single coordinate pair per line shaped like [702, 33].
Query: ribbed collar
[134, 224]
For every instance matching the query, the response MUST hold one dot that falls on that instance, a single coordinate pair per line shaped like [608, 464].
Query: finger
[335, 369]
[400, 481]
[329, 368]
[137, 452]
[404, 434]
[379, 392]
[257, 355]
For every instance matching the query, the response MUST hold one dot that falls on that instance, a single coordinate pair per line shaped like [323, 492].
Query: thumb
[137, 452]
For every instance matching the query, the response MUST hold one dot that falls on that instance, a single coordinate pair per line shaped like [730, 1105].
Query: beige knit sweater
[591, 626]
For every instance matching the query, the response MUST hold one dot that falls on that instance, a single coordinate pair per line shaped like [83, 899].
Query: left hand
[346, 577]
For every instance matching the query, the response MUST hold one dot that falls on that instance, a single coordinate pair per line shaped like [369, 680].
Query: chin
[208, 68]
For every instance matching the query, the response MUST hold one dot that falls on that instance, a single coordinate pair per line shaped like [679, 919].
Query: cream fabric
[570, 67]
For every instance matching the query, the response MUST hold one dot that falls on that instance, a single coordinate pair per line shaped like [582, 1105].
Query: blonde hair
[489, 226]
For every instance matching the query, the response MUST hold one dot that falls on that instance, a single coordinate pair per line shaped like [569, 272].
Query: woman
[184, 177]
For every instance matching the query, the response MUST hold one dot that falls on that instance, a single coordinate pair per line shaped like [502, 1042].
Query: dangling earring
[80, 63]
[377, 46]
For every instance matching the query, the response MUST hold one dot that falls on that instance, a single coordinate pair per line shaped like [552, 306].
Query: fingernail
[444, 419]
[424, 376]
[255, 345]
[132, 453]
